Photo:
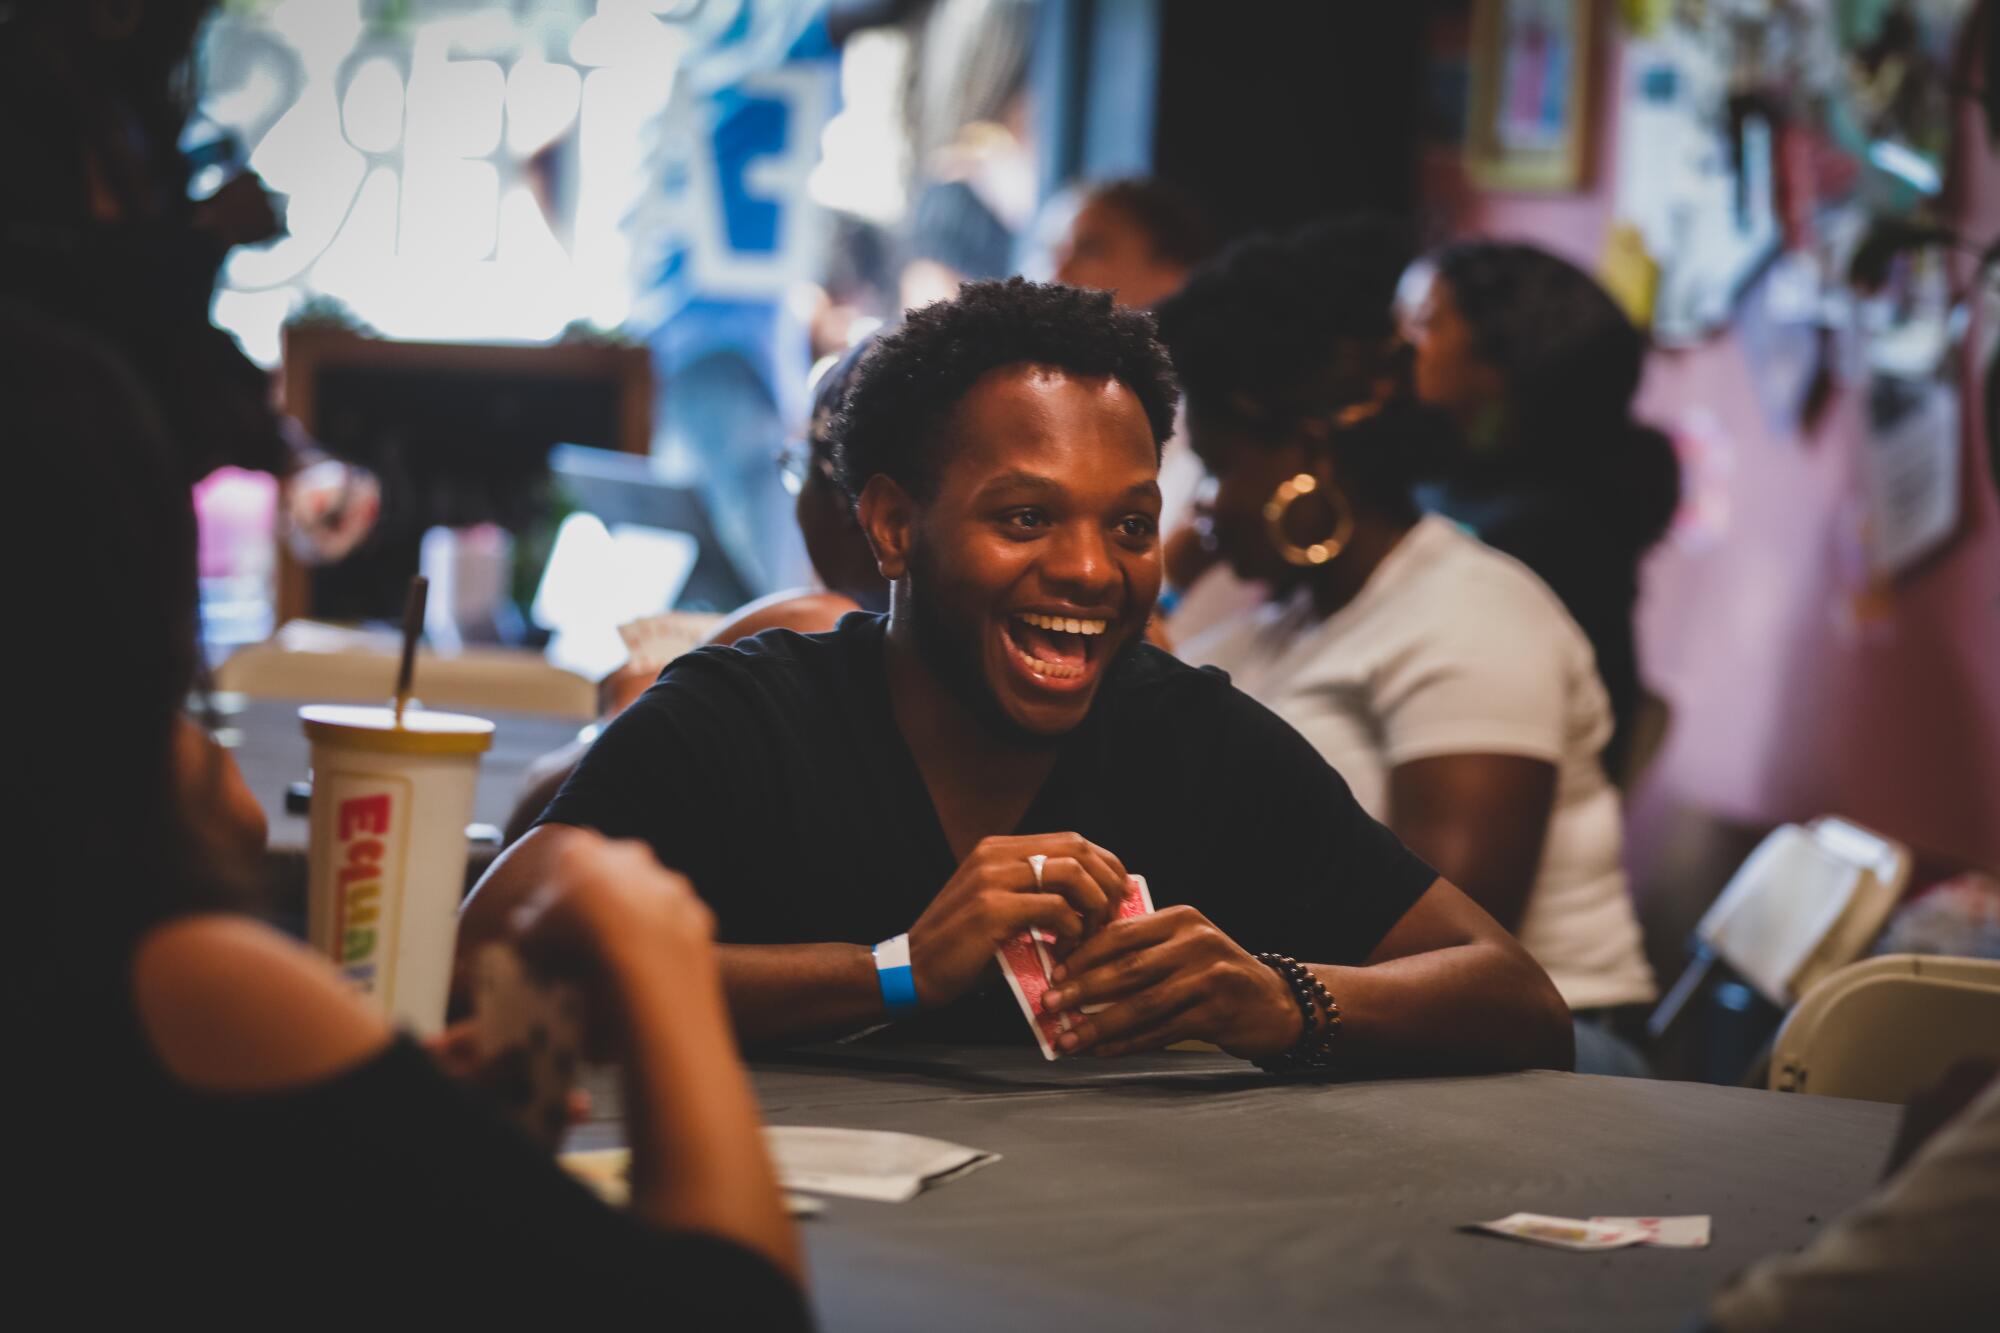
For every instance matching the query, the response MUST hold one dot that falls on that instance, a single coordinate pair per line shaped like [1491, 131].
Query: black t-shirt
[774, 776]
[384, 1193]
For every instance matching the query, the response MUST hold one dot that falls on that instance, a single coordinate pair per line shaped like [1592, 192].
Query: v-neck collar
[889, 766]
[1056, 807]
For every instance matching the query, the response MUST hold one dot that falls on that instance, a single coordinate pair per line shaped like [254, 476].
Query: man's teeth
[1053, 670]
[1061, 626]
[1057, 625]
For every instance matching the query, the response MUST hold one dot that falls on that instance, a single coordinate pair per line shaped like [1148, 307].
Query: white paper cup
[390, 804]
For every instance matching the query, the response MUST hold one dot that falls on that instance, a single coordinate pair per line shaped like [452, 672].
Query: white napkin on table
[867, 1163]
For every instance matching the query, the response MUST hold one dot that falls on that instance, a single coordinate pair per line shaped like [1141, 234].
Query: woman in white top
[1443, 679]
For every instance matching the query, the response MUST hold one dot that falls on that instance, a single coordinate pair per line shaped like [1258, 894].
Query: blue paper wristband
[899, 992]
[892, 973]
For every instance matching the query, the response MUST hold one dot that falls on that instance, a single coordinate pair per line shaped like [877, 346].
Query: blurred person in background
[1139, 238]
[1537, 366]
[96, 228]
[834, 541]
[1441, 678]
[1136, 238]
[224, 1119]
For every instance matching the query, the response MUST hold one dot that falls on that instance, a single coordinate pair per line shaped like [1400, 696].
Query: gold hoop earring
[1280, 504]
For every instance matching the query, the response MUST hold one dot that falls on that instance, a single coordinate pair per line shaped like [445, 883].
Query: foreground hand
[608, 909]
[1170, 977]
[457, 1052]
[993, 898]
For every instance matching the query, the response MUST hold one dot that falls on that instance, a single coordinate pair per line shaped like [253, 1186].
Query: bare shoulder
[231, 1005]
[807, 612]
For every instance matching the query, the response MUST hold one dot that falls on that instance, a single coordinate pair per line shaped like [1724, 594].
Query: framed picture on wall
[1531, 90]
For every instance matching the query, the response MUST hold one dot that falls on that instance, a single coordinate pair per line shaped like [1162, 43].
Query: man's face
[1037, 561]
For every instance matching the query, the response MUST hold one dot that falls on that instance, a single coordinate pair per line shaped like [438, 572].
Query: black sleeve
[1332, 880]
[676, 771]
[412, 1177]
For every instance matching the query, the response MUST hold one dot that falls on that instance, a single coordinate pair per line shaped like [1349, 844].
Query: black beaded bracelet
[1314, 1048]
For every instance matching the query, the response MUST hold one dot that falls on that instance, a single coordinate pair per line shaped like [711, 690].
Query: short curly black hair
[907, 385]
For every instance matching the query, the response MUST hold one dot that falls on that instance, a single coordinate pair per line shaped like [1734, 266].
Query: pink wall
[1787, 704]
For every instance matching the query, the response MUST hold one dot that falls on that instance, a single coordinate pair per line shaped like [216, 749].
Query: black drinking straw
[413, 628]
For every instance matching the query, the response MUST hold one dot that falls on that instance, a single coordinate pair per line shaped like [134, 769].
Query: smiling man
[887, 784]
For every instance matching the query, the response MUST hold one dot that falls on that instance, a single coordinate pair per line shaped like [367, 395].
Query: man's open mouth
[1054, 647]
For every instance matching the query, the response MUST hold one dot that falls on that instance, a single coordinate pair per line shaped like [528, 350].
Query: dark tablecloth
[1192, 1192]
[1185, 1191]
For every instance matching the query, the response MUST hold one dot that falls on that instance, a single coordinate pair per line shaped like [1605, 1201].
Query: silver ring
[1035, 863]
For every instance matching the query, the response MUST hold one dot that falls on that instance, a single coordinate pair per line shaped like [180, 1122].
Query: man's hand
[994, 897]
[1170, 977]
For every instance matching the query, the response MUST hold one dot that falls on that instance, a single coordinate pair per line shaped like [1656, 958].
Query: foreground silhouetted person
[223, 1127]
[890, 781]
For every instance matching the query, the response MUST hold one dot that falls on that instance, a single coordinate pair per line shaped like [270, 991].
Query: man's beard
[951, 649]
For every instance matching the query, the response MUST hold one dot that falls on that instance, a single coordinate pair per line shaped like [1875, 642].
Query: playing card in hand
[1138, 902]
[1026, 963]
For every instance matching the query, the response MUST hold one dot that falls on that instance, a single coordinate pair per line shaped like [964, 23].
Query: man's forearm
[1475, 1006]
[782, 992]
[776, 992]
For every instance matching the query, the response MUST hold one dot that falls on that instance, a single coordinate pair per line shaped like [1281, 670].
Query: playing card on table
[1668, 1233]
[1563, 1233]
[1026, 962]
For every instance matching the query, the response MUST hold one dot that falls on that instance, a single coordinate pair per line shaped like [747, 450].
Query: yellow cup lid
[420, 731]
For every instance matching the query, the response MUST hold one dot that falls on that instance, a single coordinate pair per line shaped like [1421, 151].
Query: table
[1188, 1191]
[270, 747]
